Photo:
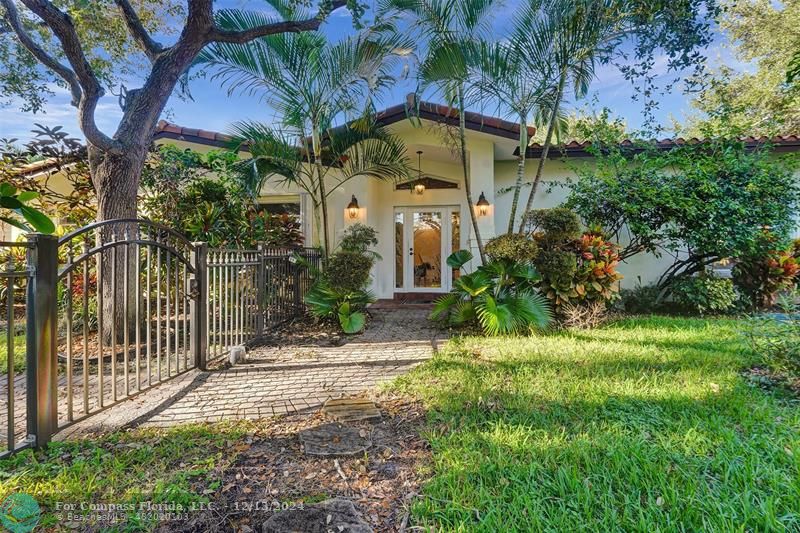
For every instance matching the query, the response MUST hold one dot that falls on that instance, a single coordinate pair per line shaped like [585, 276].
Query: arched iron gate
[124, 315]
[117, 307]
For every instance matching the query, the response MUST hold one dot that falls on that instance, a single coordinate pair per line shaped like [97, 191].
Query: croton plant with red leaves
[596, 277]
[762, 278]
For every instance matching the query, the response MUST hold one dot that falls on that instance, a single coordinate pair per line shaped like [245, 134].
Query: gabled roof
[780, 143]
[424, 110]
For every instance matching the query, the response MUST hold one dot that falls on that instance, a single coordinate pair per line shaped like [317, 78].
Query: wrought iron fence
[14, 286]
[252, 291]
[117, 307]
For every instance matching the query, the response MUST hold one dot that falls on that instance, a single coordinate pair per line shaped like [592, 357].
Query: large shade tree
[90, 46]
[311, 83]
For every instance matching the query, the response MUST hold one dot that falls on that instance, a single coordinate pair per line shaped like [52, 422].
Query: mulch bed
[272, 473]
[304, 331]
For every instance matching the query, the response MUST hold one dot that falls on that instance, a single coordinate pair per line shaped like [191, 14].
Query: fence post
[261, 291]
[42, 358]
[198, 309]
[298, 290]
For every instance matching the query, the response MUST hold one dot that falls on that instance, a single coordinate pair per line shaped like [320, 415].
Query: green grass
[146, 465]
[19, 353]
[643, 425]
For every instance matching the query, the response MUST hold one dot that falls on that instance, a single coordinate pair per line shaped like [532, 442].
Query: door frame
[446, 274]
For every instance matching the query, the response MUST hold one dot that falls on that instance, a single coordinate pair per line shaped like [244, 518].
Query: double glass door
[424, 237]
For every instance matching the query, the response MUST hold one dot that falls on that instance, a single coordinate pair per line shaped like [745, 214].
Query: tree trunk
[545, 149]
[462, 141]
[523, 145]
[116, 180]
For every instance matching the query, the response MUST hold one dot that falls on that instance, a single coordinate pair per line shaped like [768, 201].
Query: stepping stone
[334, 439]
[350, 409]
[335, 515]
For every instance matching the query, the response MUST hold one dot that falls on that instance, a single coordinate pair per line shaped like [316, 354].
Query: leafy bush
[346, 307]
[340, 291]
[514, 247]
[659, 200]
[705, 294]
[359, 238]
[775, 338]
[574, 267]
[761, 278]
[500, 296]
[643, 299]
[348, 271]
[276, 230]
[205, 197]
[554, 225]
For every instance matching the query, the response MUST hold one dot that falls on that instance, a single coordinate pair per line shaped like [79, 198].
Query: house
[422, 220]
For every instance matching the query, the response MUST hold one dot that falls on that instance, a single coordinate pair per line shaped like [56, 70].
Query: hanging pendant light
[419, 186]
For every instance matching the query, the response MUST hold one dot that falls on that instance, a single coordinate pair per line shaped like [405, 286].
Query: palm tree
[311, 83]
[581, 33]
[520, 80]
[359, 148]
[452, 28]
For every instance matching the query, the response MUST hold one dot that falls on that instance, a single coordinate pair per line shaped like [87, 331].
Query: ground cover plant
[642, 425]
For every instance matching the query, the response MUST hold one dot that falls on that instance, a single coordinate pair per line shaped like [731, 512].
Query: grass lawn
[643, 425]
[126, 468]
[19, 353]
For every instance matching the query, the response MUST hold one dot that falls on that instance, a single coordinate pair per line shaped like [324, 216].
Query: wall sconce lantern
[483, 205]
[419, 186]
[352, 207]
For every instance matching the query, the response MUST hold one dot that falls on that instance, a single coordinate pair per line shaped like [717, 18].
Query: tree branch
[62, 27]
[12, 18]
[291, 26]
[150, 47]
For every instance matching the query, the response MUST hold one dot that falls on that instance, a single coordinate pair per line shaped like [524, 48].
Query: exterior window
[399, 256]
[455, 225]
[287, 208]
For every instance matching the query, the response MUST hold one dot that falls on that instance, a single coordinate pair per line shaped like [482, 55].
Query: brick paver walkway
[282, 380]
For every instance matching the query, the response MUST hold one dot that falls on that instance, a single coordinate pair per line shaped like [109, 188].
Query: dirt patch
[273, 474]
[769, 380]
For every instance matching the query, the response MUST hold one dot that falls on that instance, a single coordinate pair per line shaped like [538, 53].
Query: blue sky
[212, 109]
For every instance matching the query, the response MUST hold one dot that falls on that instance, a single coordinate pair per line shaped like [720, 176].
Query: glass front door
[424, 237]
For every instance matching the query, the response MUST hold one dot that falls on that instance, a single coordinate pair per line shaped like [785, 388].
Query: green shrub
[500, 296]
[348, 271]
[346, 307]
[514, 247]
[339, 293]
[762, 277]
[558, 268]
[775, 338]
[576, 267]
[359, 238]
[705, 294]
[641, 300]
[554, 225]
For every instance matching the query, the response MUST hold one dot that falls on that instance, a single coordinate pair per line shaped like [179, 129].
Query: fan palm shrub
[500, 295]
[312, 82]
